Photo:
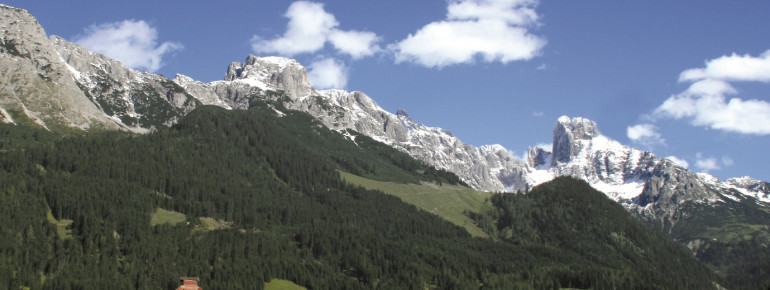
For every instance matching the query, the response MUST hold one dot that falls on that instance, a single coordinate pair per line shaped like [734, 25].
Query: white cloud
[537, 114]
[328, 73]
[357, 44]
[307, 30]
[727, 161]
[495, 30]
[706, 103]
[310, 27]
[679, 161]
[132, 42]
[515, 12]
[732, 68]
[706, 164]
[645, 134]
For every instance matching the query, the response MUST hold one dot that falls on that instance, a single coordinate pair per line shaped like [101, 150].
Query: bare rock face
[275, 73]
[656, 189]
[53, 82]
[31, 72]
[566, 137]
[139, 100]
[200, 90]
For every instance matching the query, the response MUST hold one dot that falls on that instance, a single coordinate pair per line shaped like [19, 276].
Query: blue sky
[687, 79]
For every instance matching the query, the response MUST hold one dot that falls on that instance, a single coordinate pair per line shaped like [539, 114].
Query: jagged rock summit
[91, 90]
[31, 71]
[569, 136]
[655, 188]
[272, 73]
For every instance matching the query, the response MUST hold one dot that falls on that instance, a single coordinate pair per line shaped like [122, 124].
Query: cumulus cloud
[357, 44]
[706, 164]
[707, 103]
[645, 134]
[679, 161]
[494, 30]
[328, 73]
[132, 42]
[732, 68]
[310, 27]
[727, 161]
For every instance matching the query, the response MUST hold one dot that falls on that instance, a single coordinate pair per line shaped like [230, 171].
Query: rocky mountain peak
[29, 61]
[567, 137]
[271, 73]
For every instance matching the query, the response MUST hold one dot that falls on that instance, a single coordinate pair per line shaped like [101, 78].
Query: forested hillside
[239, 198]
[570, 215]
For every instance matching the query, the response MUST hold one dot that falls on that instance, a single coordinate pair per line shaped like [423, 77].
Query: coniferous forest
[255, 196]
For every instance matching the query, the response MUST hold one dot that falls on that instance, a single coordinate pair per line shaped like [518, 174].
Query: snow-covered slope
[656, 188]
[135, 99]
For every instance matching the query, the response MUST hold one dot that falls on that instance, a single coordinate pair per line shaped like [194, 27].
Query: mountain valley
[319, 178]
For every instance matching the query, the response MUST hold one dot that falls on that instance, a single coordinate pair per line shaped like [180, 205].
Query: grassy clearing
[210, 224]
[162, 216]
[446, 201]
[278, 284]
[734, 231]
[61, 226]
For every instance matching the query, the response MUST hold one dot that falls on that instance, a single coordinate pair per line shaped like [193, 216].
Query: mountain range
[58, 85]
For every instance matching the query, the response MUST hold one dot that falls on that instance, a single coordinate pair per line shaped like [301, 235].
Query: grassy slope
[162, 216]
[447, 201]
[61, 226]
[278, 284]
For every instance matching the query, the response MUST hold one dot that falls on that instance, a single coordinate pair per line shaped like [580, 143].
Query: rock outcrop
[656, 189]
[53, 82]
[138, 100]
[31, 71]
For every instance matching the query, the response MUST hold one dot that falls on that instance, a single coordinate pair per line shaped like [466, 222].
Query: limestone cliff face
[275, 73]
[53, 82]
[31, 71]
[567, 137]
[138, 100]
[656, 189]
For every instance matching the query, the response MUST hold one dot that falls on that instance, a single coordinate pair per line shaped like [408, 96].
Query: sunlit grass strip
[447, 201]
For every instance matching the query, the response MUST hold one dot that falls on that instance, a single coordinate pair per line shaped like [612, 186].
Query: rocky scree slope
[31, 72]
[91, 90]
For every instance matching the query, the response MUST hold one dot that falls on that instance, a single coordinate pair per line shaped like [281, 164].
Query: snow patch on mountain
[750, 188]
[6, 117]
